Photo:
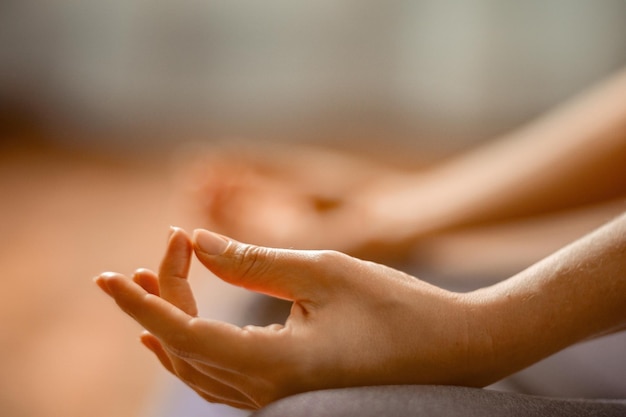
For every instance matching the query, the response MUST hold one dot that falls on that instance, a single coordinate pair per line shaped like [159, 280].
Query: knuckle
[337, 268]
[330, 257]
[334, 261]
[253, 261]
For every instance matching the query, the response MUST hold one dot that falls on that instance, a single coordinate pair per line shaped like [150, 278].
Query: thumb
[289, 274]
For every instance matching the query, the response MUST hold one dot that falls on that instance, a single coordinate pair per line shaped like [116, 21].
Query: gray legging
[434, 401]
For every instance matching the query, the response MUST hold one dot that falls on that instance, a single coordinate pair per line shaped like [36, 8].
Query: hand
[352, 323]
[299, 197]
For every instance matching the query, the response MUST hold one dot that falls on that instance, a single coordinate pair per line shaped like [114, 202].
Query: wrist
[480, 359]
[462, 354]
[507, 332]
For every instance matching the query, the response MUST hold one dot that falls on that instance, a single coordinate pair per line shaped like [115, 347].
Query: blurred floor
[65, 217]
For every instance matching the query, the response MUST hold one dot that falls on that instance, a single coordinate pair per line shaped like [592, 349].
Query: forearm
[572, 156]
[576, 294]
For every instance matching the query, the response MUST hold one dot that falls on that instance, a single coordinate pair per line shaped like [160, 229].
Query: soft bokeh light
[162, 70]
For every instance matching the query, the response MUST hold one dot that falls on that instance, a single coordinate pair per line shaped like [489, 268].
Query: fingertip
[171, 231]
[154, 345]
[176, 231]
[148, 340]
[108, 275]
[142, 272]
[179, 243]
[100, 282]
[148, 280]
[116, 282]
[103, 279]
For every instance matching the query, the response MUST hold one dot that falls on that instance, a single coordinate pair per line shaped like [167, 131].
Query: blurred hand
[352, 323]
[299, 197]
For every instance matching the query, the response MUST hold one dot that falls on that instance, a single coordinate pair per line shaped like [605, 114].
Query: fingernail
[144, 337]
[147, 343]
[101, 282]
[141, 271]
[172, 230]
[210, 243]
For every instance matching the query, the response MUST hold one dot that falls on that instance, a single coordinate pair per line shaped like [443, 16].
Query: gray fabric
[434, 401]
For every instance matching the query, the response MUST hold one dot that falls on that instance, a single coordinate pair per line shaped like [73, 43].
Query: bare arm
[572, 156]
[575, 294]
[320, 199]
[359, 323]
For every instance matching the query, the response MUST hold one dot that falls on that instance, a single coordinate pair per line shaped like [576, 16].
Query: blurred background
[98, 97]
[298, 70]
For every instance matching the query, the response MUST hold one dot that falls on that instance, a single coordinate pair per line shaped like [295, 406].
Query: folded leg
[434, 401]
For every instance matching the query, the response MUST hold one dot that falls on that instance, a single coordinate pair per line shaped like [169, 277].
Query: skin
[355, 322]
[246, 190]
[573, 156]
